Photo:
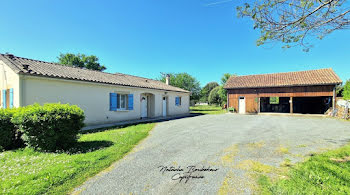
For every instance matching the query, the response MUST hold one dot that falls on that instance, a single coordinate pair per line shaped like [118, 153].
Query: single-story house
[306, 92]
[105, 97]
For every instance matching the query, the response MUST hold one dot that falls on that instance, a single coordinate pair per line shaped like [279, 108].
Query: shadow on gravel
[342, 142]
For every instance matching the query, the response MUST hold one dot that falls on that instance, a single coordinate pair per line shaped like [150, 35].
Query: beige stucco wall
[9, 79]
[93, 98]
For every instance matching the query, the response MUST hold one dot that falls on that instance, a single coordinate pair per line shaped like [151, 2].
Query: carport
[305, 92]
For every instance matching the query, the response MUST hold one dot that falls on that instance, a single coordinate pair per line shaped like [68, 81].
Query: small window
[177, 101]
[122, 101]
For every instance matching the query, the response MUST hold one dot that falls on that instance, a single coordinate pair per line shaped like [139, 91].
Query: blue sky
[145, 38]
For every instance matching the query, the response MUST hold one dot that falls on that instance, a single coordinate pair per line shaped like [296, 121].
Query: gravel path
[230, 145]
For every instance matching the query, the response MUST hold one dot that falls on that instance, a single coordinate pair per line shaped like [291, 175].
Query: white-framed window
[122, 101]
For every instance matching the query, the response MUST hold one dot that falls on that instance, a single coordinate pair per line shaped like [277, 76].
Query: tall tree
[206, 90]
[346, 92]
[339, 90]
[225, 77]
[184, 81]
[293, 21]
[81, 60]
[214, 96]
[223, 92]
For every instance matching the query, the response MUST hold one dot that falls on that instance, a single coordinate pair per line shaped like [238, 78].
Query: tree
[184, 81]
[217, 96]
[222, 92]
[223, 95]
[293, 21]
[224, 78]
[81, 60]
[346, 92]
[206, 90]
[339, 90]
[214, 97]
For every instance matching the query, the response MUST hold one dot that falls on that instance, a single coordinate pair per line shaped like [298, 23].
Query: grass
[255, 166]
[25, 171]
[325, 173]
[202, 109]
[301, 146]
[282, 150]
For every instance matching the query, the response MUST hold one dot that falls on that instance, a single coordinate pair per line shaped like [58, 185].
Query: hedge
[49, 127]
[9, 136]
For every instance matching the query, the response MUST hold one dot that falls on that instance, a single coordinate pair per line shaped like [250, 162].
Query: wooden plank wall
[252, 94]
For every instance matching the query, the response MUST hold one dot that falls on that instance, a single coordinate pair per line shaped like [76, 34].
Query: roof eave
[302, 85]
[64, 78]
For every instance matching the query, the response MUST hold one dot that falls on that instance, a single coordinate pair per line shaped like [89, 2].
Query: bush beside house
[47, 128]
[9, 136]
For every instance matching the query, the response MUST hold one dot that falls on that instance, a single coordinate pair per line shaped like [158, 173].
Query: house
[306, 92]
[105, 97]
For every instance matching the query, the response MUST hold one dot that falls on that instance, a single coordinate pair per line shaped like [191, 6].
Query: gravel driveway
[227, 146]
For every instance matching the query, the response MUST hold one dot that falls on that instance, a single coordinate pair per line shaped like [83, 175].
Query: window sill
[120, 110]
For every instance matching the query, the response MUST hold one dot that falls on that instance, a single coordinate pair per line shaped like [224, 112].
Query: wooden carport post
[291, 105]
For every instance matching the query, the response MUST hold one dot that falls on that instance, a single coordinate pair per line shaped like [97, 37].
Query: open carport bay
[303, 105]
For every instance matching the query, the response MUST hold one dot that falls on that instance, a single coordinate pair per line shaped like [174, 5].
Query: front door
[164, 106]
[241, 105]
[144, 107]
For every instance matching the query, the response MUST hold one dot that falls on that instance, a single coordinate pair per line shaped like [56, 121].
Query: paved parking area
[224, 145]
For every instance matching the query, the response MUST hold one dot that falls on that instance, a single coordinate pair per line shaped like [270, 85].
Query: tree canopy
[81, 60]
[184, 81]
[292, 22]
[225, 77]
[214, 97]
[206, 90]
[346, 92]
[217, 96]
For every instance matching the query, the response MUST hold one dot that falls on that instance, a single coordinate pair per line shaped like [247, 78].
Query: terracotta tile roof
[300, 78]
[47, 69]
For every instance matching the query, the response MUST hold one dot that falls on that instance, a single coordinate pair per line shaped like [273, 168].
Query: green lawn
[207, 109]
[25, 171]
[326, 173]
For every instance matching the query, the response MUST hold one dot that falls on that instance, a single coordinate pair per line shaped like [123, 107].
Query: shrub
[346, 91]
[214, 97]
[217, 96]
[231, 109]
[50, 127]
[9, 136]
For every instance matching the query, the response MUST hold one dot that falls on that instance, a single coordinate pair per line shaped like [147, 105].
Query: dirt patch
[341, 160]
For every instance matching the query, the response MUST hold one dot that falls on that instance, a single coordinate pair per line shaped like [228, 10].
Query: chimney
[11, 56]
[167, 79]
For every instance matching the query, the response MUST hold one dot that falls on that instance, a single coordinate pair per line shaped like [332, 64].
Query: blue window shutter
[11, 98]
[130, 101]
[4, 98]
[176, 101]
[112, 101]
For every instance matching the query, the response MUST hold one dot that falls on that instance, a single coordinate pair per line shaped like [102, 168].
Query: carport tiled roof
[300, 78]
[46, 69]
